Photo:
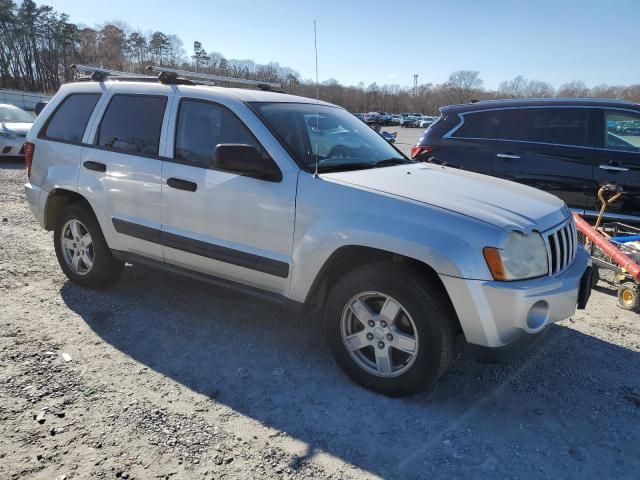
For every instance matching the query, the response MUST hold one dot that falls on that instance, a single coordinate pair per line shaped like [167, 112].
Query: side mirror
[245, 160]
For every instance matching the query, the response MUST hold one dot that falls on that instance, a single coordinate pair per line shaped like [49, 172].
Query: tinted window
[622, 131]
[563, 126]
[482, 124]
[202, 126]
[132, 123]
[70, 119]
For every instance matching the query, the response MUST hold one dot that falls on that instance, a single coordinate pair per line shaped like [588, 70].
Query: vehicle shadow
[562, 412]
[10, 163]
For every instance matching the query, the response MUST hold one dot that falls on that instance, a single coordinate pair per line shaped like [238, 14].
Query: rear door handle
[613, 168]
[181, 184]
[508, 156]
[95, 166]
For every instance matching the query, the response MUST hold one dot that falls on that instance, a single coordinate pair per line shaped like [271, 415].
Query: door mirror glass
[245, 160]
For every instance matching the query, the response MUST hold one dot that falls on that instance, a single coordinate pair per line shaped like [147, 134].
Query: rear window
[482, 125]
[70, 119]
[561, 126]
[132, 123]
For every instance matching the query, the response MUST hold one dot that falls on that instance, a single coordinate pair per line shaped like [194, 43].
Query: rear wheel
[629, 296]
[83, 253]
[391, 329]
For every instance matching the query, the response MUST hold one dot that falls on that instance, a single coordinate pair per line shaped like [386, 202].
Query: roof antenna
[315, 44]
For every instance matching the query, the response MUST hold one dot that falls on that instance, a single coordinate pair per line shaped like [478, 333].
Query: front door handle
[614, 168]
[508, 156]
[95, 166]
[181, 184]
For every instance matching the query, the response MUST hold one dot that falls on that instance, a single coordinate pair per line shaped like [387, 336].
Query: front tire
[391, 329]
[82, 251]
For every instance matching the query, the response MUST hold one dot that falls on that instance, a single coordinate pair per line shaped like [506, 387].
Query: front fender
[330, 215]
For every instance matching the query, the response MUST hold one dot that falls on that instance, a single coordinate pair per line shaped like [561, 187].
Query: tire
[104, 268]
[595, 276]
[424, 315]
[629, 296]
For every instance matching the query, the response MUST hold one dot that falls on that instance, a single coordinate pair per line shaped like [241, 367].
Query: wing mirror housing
[245, 160]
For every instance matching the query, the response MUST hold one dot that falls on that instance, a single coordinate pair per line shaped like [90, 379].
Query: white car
[14, 125]
[427, 121]
[297, 201]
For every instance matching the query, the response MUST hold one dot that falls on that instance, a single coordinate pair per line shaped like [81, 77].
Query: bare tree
[464, 84]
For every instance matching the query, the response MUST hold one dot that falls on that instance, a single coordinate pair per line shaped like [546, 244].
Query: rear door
[551, 149]
[618, 162]
[469, 145]
[121, 171]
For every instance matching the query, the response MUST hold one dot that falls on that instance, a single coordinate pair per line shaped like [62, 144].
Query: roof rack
[99, 74]
[171, 73]
[166, 75]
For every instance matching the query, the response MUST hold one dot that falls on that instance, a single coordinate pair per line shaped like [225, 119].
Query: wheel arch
[58, 199]
[349, 257]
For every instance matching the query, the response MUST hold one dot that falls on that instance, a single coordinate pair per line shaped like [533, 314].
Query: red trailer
[614, 246]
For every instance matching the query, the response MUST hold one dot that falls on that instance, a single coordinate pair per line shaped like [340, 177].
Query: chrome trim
[561, 246]
[613, 168]
[508, 156]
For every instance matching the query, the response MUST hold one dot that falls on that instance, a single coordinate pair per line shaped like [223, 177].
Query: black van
[568, 147]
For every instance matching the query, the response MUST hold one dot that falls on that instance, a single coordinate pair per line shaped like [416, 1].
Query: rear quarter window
[489, 125]
[69, 121]
[559, 126]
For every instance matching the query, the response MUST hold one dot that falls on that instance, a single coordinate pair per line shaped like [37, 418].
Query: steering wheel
[339, 151]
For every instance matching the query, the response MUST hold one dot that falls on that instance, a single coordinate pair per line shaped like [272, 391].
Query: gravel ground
[162, 377]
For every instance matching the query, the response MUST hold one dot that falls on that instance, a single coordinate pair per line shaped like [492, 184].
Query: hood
[502, 203]
[18, 128]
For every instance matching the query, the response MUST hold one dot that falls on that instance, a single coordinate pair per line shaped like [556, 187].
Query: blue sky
[388, 41]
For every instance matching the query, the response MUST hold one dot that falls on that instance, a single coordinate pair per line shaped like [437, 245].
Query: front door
[220, 223]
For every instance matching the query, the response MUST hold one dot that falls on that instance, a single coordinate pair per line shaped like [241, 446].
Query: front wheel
[391, 329]
[629, 296]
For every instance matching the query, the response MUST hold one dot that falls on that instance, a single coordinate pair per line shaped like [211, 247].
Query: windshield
[332, 136]
[11, 114]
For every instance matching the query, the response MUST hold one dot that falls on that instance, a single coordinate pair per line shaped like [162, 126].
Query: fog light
[538, 315]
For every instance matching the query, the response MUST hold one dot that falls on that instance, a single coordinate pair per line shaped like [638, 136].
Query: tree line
[38, 45]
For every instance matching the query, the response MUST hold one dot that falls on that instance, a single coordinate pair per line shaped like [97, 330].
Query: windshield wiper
[391, 161]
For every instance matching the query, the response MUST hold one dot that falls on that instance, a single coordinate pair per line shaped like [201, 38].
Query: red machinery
[614, 246]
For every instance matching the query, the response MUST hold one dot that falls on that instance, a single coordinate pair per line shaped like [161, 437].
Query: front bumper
[495, 314]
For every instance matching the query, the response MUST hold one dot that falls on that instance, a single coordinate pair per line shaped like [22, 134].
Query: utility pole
[415, 84]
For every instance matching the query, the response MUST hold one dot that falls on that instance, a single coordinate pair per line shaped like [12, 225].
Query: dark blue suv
[568, 147]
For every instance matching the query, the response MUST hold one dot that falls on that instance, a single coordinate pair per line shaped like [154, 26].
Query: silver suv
[299, 202]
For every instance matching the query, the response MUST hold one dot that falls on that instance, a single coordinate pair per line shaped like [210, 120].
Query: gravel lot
[169, 378]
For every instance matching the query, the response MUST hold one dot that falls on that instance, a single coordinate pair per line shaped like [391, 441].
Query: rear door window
[132, 124]
[488, 124]
[559, 126]
[69, 121]
[622, 131]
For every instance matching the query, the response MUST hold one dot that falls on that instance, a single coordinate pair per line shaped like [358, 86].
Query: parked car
[411, 121]
[371, 117]
[295, 201]
[396, 119]
[426, 121]
[14, 125]
[568, 147]
[39, 107]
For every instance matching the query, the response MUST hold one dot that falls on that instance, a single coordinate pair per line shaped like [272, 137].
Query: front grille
[561, 247]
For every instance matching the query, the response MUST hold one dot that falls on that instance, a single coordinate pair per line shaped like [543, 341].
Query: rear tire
[82, 251]
[629, 296]
[402, 339]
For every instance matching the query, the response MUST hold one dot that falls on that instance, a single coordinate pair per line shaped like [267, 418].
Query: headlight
[523, 256]
[5, 134]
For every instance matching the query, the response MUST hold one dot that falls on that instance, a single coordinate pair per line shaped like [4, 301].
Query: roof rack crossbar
[99, 73]
[172, 72]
